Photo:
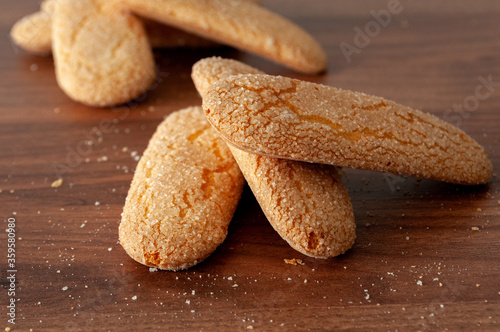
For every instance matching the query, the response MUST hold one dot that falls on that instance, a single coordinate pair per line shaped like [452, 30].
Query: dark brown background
[417, 263]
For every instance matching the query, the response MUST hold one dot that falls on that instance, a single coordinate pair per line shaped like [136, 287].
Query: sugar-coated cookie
[305, 203]
[165, 36]
[207, 71]
[185, 190]
[34, 32]
[293, 119]
[242, 24]
[101, 53]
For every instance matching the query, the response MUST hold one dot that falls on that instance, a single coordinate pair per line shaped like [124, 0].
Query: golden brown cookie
[242, 24]
[34, 32]
[292, 119]
[164, 36]
[101, 53]
[185, 190]
[207, 71]
[305, 203]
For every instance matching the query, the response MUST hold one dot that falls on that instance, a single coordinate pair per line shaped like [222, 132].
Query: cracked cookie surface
[185, 190]
[293, 119]
[242, 24]
[101, 53]
[33, 32]
[305, 203]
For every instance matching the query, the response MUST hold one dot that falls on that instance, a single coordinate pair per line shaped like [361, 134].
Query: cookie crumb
[475, 228]
[479, 210]
[153, 269]
[294, 261]
[57, 183]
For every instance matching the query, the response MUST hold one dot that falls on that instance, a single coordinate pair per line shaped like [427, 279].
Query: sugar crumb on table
[294, 261]
[57, 183]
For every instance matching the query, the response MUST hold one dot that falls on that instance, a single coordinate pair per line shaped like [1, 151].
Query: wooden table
[427, 254]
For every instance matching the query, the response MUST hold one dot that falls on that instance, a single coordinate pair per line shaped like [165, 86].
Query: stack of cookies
[286, 138]
[102, 49]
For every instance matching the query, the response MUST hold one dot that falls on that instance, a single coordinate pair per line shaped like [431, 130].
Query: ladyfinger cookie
[183, 195]
[207, 71]
[164, 36]
[33, 32]
[101, 53]
[242, 24]
[293, 119]
[305, 203]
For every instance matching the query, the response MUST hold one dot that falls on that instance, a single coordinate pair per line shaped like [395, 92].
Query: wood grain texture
[418, 262]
